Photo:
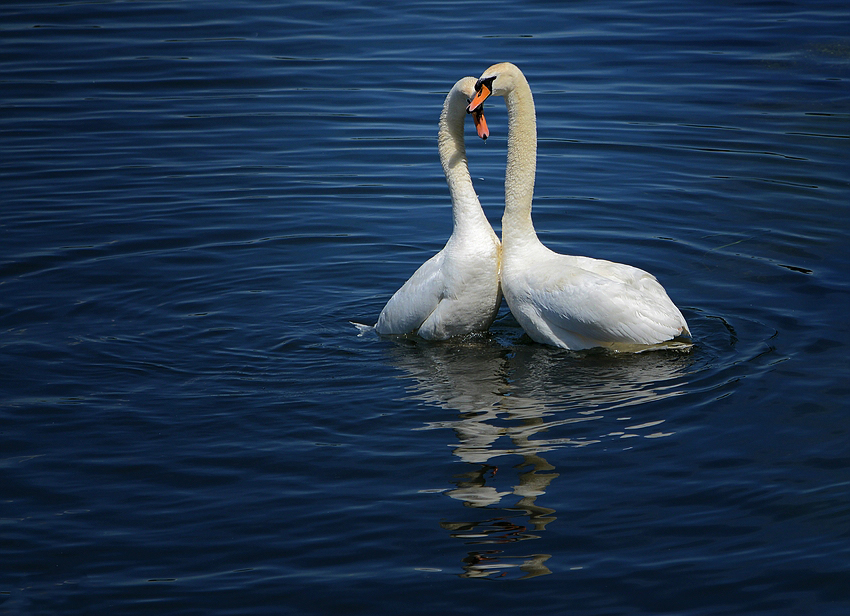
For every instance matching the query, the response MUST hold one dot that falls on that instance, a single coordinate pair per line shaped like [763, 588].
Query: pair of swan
[561, 300]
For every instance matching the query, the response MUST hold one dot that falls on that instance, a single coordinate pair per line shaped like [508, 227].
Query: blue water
[197, 198]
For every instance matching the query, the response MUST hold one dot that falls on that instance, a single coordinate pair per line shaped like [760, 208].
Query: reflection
[490, 564]
[472, 488]
[532, 484]
[522, 402]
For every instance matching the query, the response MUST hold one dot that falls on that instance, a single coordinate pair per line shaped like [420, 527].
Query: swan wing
[416, 300]
[611, 303]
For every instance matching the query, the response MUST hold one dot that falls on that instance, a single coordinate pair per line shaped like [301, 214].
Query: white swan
[561, 300]
[457, 290]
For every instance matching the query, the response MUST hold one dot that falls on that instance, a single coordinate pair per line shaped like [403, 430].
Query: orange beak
[480, 124]
[480, 97]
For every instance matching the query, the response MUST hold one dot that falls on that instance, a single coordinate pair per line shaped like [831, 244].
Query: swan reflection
[524, 401]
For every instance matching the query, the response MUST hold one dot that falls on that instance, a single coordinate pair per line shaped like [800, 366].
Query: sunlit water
[198, 198]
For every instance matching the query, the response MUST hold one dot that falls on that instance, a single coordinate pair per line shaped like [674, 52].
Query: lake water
[197, 198]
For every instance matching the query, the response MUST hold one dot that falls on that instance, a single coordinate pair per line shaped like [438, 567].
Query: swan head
[466, 87]
[499, 80]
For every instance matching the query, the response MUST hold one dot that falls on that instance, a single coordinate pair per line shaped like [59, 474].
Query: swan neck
[466, 209]
[522, 162]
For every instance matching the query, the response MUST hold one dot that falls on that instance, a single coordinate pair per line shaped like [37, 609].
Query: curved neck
[466, 209]
[522, 163]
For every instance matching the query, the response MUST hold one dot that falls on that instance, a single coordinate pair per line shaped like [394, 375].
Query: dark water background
[196, 199]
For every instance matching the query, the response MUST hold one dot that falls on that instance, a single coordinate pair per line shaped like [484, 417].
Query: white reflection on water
[506, 399]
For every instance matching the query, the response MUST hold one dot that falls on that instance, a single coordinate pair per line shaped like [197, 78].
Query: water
[198, 198]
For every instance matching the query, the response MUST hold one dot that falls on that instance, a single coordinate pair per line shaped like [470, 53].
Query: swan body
[562, 300]
[457, 290]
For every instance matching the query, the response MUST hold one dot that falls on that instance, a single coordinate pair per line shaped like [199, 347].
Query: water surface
[198, 198]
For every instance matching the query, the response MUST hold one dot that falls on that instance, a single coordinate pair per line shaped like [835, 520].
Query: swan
[566, 301]
[457, 290]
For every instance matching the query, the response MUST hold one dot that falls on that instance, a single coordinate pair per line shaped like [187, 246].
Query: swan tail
[362, 329]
